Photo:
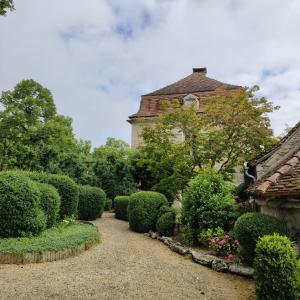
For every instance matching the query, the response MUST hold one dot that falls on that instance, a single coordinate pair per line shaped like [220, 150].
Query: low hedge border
[216, 263]
[51, 255]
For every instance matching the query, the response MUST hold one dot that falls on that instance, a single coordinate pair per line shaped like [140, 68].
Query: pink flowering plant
[221, 242]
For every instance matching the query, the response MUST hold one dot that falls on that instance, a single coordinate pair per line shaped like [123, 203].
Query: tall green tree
[33, 136]
[6, 5]
[233, 128]
[112, 168]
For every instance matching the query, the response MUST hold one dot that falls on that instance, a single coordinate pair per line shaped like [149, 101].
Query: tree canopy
[33, 136]
[6, 5]
[233, 129]
[112, 168]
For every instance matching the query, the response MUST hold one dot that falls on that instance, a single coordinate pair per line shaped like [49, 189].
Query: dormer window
[191, 100]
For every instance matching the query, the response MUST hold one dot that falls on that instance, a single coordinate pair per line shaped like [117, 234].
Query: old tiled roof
[265, 155]
[285, 181]
[196, 82]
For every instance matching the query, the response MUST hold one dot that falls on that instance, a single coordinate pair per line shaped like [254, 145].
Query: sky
[98, 56]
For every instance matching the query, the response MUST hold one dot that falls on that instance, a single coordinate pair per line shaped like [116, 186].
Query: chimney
[200, 70]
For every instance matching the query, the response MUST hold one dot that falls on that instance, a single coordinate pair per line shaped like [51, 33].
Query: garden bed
[53, 244]
[204, 258]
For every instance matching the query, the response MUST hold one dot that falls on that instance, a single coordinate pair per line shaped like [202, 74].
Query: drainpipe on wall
[246, 171]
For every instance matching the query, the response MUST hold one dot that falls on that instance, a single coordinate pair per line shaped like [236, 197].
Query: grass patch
[53, 239]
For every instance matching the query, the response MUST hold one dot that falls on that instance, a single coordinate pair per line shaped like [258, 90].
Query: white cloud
[98, 56]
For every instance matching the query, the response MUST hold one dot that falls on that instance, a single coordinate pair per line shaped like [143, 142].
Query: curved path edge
[37, 257]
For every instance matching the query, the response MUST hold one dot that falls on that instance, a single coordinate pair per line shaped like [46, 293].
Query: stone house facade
[276, 189]
[196, 88]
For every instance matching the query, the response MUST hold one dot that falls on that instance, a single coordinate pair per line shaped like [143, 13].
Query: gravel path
[126, 265]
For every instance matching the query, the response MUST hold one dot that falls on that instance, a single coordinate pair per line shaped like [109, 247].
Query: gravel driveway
[126, 265]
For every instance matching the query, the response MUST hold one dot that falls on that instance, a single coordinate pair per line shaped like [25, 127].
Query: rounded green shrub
[50, 202]
[91, 202]
[251, 226]
[66, 187]
[275, 266]
[121, 207]
[165, 224]
[143, 210]
[20, 212]
[208, 202]
[108, 204]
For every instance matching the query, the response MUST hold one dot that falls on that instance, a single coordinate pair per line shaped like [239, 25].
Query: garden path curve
[126, 265]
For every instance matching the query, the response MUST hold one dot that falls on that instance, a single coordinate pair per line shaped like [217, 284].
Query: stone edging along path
[216, 263]
[36, 257]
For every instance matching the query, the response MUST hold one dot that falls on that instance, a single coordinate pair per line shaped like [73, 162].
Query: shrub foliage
[143, 210]
[50, 202]
[251, 226]
[208, 203]
[165, 224]
[91, 202]
[121, 207]
[275, 268]
[20, 211]
[66, 188]
[108, 204]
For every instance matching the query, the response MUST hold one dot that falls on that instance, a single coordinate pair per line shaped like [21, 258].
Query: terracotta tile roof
[196, 82]
[285, 181]
[265, 155]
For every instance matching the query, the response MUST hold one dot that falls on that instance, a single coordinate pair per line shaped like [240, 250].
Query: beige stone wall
[286, 209]
[137, 127]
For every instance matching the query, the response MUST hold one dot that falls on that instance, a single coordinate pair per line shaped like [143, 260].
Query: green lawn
[53, 239]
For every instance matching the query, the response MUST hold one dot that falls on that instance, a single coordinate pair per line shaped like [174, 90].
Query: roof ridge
[269, 152]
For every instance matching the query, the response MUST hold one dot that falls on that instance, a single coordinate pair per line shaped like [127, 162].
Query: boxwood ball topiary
[20, 211]
[66, 187]
[249, 227]
[121, 207]
[165, 224]
[143, 210]
[91, 202]
[275, 266]
[50, 202]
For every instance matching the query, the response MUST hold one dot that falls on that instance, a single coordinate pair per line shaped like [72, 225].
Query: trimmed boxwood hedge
[91, 202]
[143, 210]
[66, 187]
[50, 202]
[275, 266]
[165, 224]
[20, 212]
[121, 207]
[249, 227]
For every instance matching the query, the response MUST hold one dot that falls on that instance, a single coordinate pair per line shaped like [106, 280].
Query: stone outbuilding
[276, 189]
[195, 88]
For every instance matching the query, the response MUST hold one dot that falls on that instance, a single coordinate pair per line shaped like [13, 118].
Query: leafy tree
[6, 5]
[233, 129]
[112, 168]
[32, 135]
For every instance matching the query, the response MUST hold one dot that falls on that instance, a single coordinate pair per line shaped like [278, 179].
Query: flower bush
[221, 242]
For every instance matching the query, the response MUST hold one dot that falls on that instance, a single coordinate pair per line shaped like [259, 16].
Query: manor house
[195, 89]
